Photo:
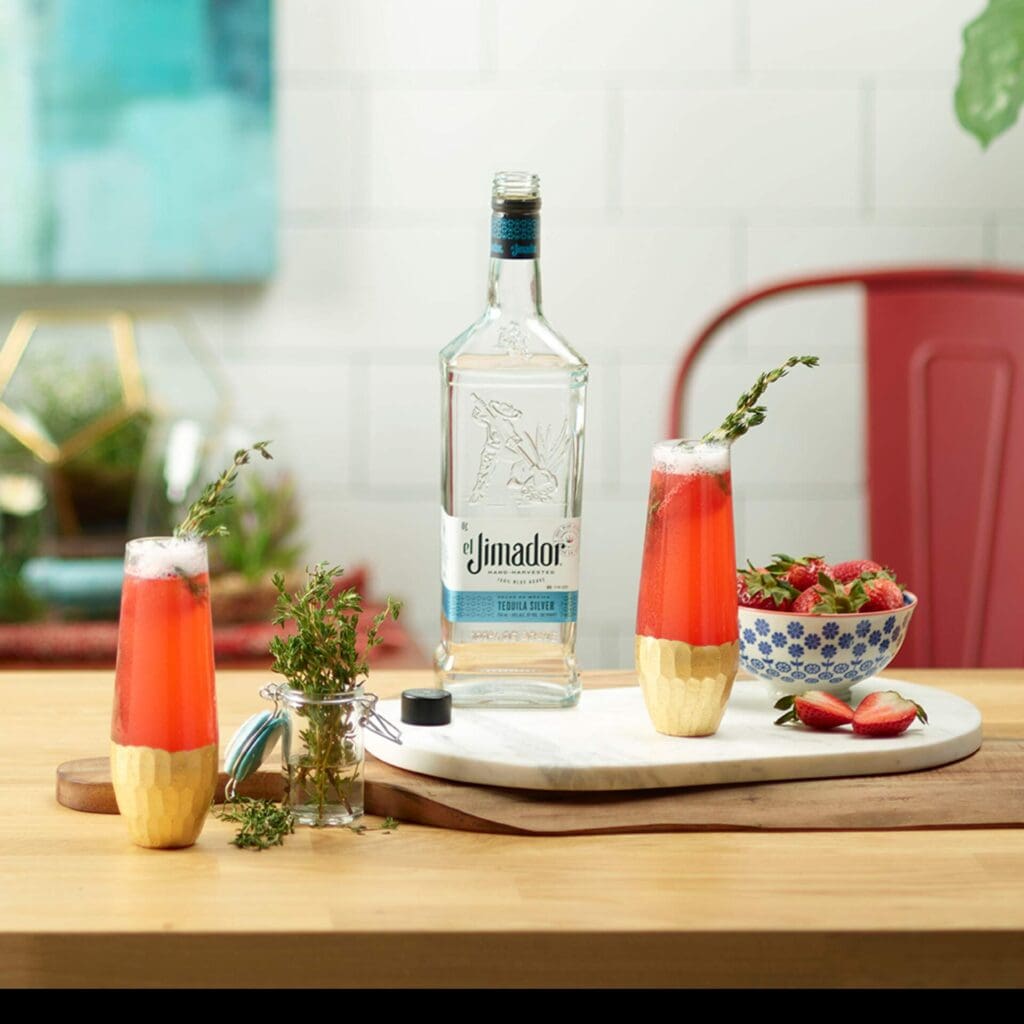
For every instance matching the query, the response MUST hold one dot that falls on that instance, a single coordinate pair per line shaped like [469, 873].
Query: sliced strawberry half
[816, 709]
[886, 713]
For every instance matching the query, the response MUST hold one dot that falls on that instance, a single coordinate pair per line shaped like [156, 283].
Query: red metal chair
[945, 448]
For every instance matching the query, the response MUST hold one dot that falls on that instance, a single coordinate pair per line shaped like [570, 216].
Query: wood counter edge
[826, 958]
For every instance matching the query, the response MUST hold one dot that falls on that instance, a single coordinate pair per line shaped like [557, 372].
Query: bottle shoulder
[516, 340]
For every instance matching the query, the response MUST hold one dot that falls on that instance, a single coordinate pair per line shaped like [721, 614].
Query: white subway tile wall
[689, 150]
[740, 147]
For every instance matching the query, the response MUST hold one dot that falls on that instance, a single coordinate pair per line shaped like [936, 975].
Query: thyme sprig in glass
[321, 659]
[216, 495]
[748, 413]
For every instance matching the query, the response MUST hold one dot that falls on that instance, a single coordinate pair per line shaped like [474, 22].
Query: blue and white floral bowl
[795, 652]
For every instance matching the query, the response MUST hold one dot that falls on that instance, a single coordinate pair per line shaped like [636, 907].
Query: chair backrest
[945, 448]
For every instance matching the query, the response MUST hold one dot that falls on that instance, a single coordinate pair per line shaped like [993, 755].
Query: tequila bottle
[513, 402]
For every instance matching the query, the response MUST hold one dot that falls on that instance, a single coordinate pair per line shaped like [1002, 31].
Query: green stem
[748, 413]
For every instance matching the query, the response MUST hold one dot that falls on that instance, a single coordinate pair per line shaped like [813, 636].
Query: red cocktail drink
[687, 637]
[163, 753]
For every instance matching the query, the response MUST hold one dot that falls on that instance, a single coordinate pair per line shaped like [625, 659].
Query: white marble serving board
[607, 742]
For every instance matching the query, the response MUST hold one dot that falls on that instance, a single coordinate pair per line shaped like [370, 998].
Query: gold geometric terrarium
[129, 398]
[91, 395]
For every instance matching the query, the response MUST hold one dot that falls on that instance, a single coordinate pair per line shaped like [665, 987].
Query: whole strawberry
[815, 709]
[758, 588]
[827, 597]
[883, 593]
[886, 713]
[847, 572]
[809, 600]
[800, 573]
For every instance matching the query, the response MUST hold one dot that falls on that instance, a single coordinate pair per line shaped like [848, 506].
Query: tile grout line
[867, 168]
[613, 455]
[615, 126]
[990, 238]
[362, 129]
[741, 41]
[359, 419]
[739, 258]
[488, 41]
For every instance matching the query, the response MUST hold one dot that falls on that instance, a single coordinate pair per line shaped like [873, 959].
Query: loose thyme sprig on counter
[215, 496]
[748, 413]
[264, 823]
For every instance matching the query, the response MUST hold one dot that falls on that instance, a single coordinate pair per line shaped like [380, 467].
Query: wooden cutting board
[985, 790]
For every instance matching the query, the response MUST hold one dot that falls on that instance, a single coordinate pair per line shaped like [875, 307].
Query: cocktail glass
[687, 636]
[163, 751]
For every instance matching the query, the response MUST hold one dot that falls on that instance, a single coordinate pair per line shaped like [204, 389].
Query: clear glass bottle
[513, 403]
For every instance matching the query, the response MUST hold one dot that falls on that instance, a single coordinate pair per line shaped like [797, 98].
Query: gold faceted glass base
[163, 796]
[685, 687]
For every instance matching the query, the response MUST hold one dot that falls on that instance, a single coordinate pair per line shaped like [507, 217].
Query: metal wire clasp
[272, 691]
[374, 721]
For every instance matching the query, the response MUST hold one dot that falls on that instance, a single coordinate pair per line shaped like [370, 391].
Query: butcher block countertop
[81, 906]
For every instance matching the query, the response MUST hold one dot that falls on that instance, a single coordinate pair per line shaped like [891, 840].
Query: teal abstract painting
[137, 141]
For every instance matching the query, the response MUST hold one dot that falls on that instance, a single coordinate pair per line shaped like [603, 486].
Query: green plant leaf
[991, 88]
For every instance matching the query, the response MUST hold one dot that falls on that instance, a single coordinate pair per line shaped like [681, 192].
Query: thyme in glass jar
[322, 659]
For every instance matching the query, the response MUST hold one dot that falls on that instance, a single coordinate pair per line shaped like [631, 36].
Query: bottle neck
[513, 286]
[514, 281]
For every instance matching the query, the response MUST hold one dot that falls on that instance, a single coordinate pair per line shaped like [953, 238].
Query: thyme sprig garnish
[264, 823]
[748, 413]
[216, 495]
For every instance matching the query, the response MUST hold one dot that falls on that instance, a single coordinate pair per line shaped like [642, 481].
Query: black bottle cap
[426, 707]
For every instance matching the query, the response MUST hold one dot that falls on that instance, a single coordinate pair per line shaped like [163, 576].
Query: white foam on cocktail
[158, 558]
[690, 458]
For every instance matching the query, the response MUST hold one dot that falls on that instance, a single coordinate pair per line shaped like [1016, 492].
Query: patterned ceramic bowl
[799, 652]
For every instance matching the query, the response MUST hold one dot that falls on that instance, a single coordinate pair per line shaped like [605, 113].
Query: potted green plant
[262, 525]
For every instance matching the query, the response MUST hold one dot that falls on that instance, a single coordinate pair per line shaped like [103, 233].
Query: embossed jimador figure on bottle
[513, 401]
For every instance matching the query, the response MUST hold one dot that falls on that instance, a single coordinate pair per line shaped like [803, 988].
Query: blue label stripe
[509, 606]
[515, 238]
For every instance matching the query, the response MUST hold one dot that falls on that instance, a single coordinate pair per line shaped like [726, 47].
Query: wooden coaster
[84, 785]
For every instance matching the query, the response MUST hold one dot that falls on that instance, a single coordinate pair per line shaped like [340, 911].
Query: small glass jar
[323, 758]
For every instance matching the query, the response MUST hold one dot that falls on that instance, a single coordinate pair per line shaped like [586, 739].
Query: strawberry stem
[767, 584]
